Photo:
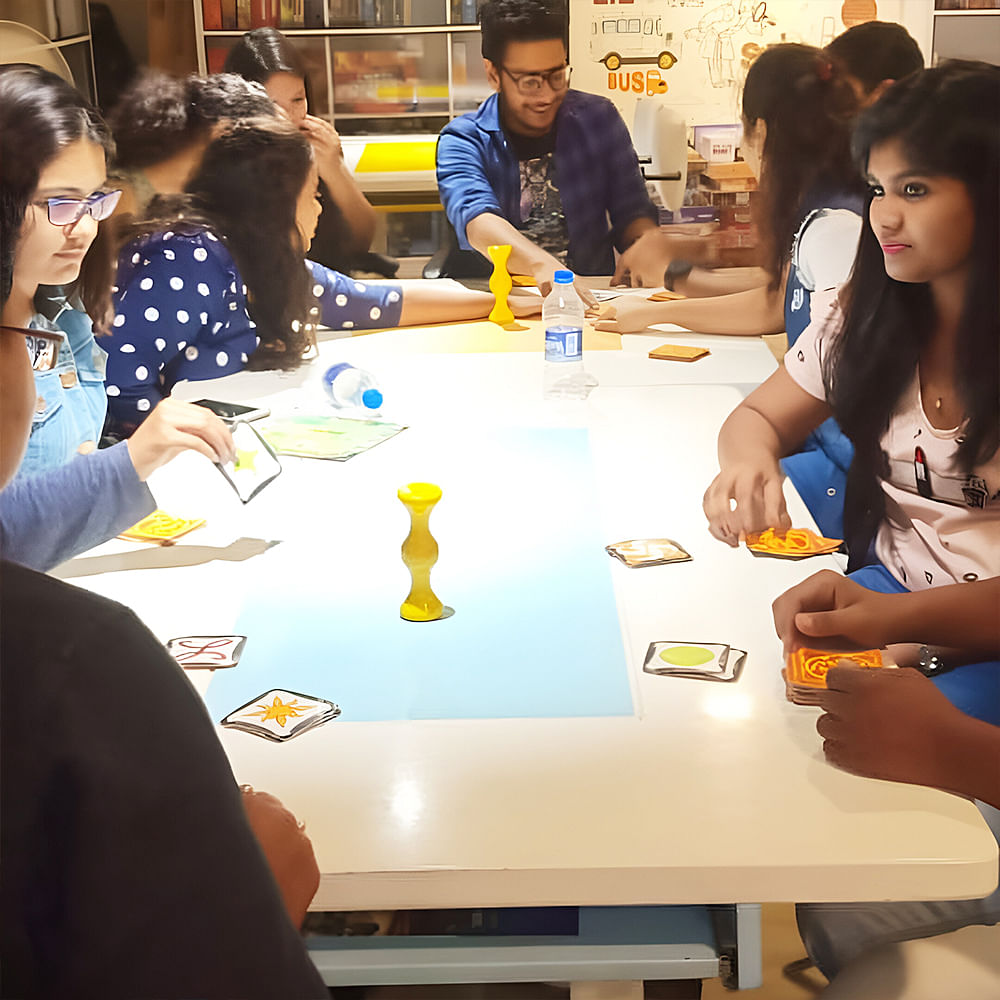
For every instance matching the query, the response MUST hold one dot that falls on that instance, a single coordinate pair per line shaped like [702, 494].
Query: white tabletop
[707, 793]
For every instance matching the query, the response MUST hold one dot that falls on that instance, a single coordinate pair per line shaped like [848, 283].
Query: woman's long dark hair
[261, 52]
[807, 103]
[40, 115]
[246, 191]
[947, 121]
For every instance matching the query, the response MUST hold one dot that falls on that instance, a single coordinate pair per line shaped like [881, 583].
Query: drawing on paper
[715, 31]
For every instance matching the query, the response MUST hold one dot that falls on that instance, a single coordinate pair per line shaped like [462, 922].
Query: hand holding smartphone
[231, 412]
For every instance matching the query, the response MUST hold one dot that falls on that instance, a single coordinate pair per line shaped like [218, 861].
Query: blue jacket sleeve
[463, 184]
[50, 517]
[180, 313]
[628, 198]
[348, 304]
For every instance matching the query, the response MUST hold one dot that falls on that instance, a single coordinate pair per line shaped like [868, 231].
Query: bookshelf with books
[66, 27]
[375, 67]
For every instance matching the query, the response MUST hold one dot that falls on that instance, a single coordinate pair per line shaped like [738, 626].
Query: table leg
[630, 989]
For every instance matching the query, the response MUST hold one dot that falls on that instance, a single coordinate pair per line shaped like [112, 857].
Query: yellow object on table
[161, 527]
[500, 284]
[420, 553]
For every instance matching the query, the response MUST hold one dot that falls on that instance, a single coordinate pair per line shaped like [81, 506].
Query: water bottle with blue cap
[353, 389]
[562, 319]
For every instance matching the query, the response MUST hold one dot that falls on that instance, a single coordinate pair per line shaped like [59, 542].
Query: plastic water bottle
[562, 318]
[350, 388]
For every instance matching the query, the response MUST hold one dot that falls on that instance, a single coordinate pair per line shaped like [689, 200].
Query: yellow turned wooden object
[420, 553]
[500, 284]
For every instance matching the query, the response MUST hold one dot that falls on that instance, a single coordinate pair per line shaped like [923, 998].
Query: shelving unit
[966, 29]
[389, 74]
[66, 27]
[376, 67]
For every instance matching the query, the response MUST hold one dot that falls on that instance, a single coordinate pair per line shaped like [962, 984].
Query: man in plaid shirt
[549, 170]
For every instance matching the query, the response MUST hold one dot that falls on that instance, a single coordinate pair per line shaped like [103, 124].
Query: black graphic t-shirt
[542, 218]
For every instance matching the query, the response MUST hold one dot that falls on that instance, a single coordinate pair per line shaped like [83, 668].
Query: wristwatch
[676, 269]
[929, 663]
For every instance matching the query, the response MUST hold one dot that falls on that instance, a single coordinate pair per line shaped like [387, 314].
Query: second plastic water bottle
[562, 318]
[350, 388]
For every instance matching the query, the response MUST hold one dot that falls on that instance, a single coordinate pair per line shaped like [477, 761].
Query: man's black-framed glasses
[43, 346]
[69, 211]
[530, 84]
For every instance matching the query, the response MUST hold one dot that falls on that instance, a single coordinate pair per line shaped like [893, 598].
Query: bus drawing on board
[633, 37]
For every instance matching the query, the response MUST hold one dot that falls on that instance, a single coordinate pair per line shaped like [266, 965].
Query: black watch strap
[676, 269]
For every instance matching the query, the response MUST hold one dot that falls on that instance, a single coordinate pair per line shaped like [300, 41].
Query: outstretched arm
[487, 230]
[747, 494]
[744, 314]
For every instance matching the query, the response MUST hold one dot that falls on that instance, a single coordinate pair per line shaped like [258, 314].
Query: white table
[709, 793]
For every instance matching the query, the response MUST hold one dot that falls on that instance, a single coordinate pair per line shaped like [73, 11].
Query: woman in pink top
[907, 359]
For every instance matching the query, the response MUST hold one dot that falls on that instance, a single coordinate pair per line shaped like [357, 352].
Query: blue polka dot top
[181, 313]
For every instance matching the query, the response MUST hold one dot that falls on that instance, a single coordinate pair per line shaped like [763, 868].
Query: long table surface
[703, 793]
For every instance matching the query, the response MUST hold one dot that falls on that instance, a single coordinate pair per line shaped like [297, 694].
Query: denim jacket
[71, 402]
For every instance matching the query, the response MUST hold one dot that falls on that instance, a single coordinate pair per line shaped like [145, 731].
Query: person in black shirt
[129, 866]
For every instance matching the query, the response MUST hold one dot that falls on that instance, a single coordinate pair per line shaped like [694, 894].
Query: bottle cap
[372, 398]
[563, 277]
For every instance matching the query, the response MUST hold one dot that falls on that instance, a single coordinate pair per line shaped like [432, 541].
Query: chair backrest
[20, 43]
[450, 261]
[659, 135]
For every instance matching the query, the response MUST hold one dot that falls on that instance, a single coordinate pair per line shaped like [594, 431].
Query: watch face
[930, 663]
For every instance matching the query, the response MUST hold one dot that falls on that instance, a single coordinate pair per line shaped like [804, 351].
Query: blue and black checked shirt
[597, 174]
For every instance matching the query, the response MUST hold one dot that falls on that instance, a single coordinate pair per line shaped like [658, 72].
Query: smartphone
[233, 411]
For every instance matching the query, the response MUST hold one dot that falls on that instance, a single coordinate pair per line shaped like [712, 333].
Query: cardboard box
[729, 177]
[717, 143]
[716, 148]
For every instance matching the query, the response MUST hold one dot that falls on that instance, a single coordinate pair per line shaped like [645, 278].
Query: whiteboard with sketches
[692, 54]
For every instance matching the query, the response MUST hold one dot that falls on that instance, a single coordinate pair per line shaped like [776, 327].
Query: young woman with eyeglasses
[53, 193]
[216, 281]
[59, 147]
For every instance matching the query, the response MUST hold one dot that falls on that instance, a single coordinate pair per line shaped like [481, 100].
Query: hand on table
[524, 304]
[173, 427]
[544, 271]
[643, 263]
[632, 314]
[288, 850]
[760, 502]
[834, 609]
[890, 724]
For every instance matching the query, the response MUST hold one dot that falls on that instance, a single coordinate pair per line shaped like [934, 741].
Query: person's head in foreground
[797, 112]
[256, 188]
[167, 122]
[525, 46]
[927, 267]
[267, 57]
[874, 55]
[54, 151]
